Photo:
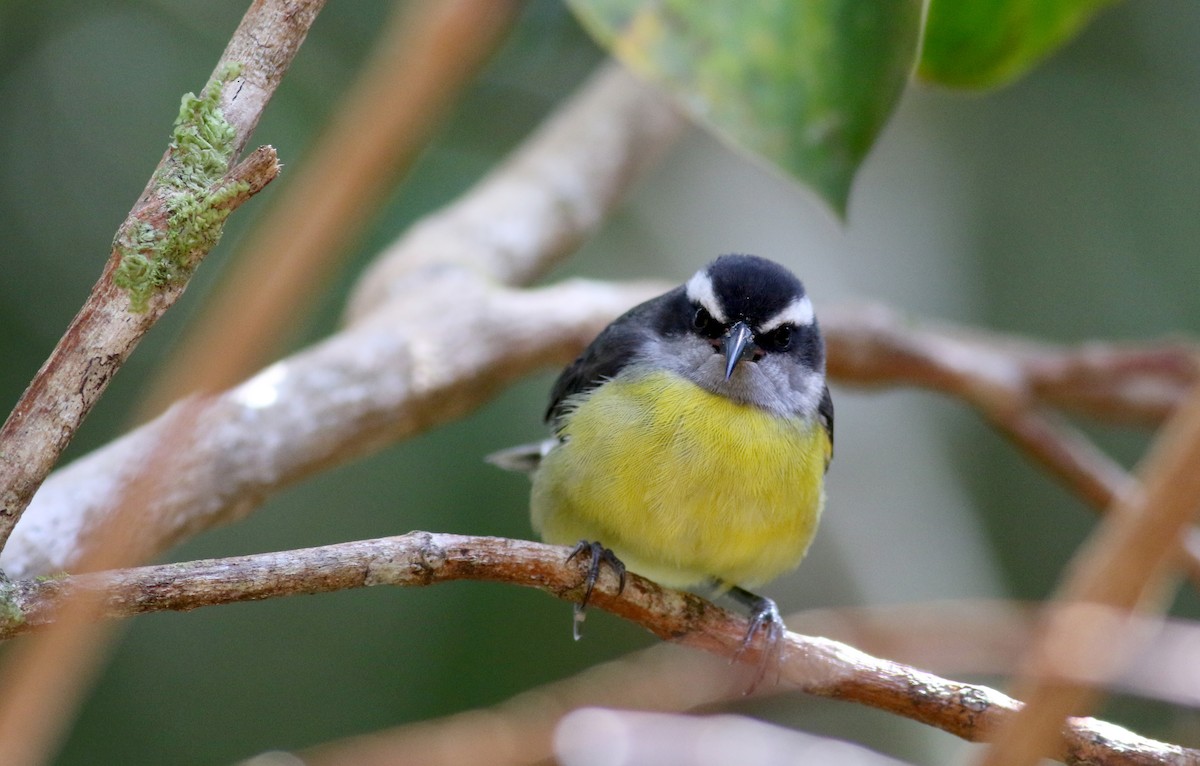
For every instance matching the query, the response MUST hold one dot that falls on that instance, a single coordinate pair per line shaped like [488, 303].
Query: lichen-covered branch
[174, 223]
[423, 60]
[814, 665]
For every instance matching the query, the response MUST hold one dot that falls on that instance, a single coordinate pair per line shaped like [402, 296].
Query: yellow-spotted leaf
[985, 43]
[806, 84]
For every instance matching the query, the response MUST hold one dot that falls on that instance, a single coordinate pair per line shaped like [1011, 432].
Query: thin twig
[1065, 453]
[815, 665]
[112, 322]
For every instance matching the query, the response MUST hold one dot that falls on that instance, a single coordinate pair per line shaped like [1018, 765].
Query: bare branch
[543, 201]
[958, 637]
[379, 381]
[263, 47]
[1065, 453]
[814, 665]
[171, 227]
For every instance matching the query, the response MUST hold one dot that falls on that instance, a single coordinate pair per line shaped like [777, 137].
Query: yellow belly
[682, 484]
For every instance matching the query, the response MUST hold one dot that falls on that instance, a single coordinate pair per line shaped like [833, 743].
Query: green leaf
[985, 43]
[806, 84]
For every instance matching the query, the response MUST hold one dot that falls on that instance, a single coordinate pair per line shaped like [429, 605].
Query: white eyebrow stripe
[799, 313]
[700, 290]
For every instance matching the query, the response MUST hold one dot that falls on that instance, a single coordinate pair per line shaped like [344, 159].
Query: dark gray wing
[825, 415]
[616, 346]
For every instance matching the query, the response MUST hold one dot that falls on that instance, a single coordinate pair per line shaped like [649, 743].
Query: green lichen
[202, 146]
[11, 614]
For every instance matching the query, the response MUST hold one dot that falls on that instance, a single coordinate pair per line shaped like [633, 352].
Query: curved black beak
[737, 345]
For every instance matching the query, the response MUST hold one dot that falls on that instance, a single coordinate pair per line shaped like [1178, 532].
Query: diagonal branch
[153, 254]
[814, 665]
[426, 56]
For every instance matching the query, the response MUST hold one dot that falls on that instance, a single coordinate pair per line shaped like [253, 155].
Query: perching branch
[1012, 385]
[814, 665]
[173, 225]
[953, 637]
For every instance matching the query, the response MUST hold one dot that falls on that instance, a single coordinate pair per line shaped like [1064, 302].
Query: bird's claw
[599, 556]
[764, 618]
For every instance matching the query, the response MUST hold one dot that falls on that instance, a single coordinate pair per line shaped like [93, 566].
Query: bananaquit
[691, 438]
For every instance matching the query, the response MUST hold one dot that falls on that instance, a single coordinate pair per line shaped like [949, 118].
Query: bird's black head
[741, 327]
[748, 307]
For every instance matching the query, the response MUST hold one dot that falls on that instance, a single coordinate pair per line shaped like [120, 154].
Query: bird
[691, 439]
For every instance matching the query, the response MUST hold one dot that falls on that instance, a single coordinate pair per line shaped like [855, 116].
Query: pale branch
[391, 373]
[387, 372]
[263, 47]
[391, 376]
[543, 201]
[814, 665]
[170, 228]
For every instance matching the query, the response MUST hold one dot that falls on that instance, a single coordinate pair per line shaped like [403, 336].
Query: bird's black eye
[703, 323]
[779, 339]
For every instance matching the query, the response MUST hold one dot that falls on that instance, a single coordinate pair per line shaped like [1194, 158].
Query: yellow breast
[684, 485]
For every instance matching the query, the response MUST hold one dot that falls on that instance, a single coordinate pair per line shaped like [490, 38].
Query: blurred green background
[1062, 207]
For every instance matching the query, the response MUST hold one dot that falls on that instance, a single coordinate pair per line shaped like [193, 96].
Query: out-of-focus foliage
[984, 43]
[806, 85]
[809, 84]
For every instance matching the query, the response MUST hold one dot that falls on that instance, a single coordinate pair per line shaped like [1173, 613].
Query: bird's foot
[599, 556]
[764, 618]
